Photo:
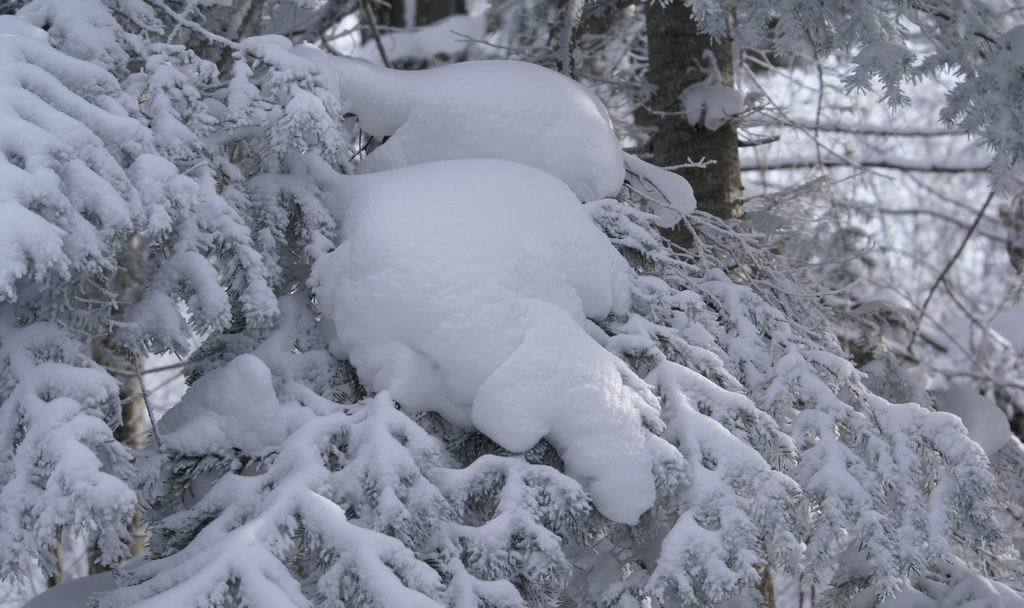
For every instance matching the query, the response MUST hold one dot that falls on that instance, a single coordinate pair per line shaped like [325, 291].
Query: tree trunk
[676, 46]
[132, 430]
[57, 577]
[767, 587]
[427, 12]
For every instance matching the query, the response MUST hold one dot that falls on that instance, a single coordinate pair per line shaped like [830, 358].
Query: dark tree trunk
[427, 11]
[676, 46]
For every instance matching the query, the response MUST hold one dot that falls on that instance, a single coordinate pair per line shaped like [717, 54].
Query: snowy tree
[69, 204]
[460, 366]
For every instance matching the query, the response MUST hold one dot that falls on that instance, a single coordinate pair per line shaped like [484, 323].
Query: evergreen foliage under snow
[466, 371]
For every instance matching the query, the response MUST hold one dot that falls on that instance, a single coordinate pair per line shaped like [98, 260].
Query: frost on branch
[229, 183]
[667, 195]
[446, 291]
[270, 522]
[793, 461]
[342, 504]
[88, 29]
[884, 39]
[988, 103]
[67, 201]
[696, 400]
[60, 466]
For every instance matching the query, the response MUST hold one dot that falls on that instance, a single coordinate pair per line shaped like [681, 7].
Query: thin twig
[946, 269]
[192, 25]
[145, 399]
[150, 370]
[164, 368]
[929, 166]
[371, 21]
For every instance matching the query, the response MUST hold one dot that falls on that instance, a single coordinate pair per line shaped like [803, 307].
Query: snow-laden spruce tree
[68, 204]
[102, 236]
[433, 377]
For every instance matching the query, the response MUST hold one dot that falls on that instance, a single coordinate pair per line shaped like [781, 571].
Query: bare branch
[837, 127]
[145, 399]
[371, 21]
[899, 164]
[192, 25]
[949, 265]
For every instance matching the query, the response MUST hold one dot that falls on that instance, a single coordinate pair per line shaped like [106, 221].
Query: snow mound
[710, 103]
[510, 110]
[74, 593]
[11, 25]
[669, 195]
[449, 37]
[465, 288]
[986, 424]
[233, 407]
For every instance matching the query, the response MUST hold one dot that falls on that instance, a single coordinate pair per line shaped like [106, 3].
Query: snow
[986, 424]
[74, 593]
[668, 194]
[1009, 323]
[58, 177]
[1013, 40]
[11, 25]
[446, 37]
[84, 29]
[885, 301]
[233, 407]
[27, 241]
[471, 288]
[957, 586]
[710, 103]
[508, 110]
[465, 287]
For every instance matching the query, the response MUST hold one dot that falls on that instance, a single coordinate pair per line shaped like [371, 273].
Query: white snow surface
[509, 110]
[710, 105]
[1013, 40]
[465, 288]
[669, 195]
[11, 25]
[1009, 323]
[74, 593]
[234, 406]
[450, 36]
[986, 424]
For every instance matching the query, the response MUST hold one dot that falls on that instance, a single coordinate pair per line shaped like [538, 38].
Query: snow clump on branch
[466, 288]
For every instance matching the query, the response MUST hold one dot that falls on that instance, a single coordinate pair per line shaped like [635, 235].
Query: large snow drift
[510, 110]
[465, 287]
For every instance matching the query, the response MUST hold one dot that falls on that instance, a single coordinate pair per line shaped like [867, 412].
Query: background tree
[684, 61]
